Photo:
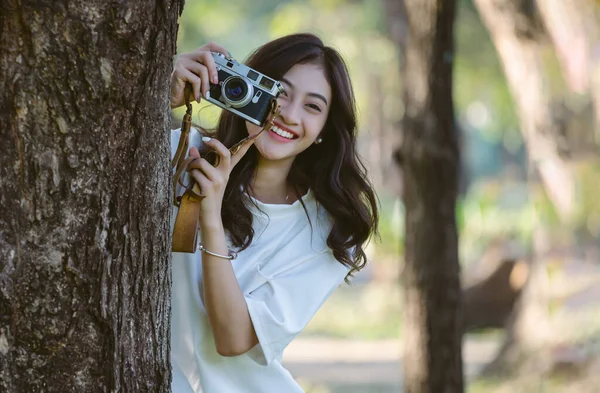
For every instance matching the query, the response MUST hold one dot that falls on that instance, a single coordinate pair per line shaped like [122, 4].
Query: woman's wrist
[212, 224]
[212, 239]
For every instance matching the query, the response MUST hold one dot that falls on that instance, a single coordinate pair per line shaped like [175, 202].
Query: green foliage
[391, 229]
[361, 311]
[493, 210]
[478, 76]
[589, 203]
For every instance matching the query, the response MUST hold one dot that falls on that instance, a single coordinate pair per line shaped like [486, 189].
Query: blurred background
[507, 215]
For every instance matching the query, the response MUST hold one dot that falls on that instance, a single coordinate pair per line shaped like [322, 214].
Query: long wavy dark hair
[332, 169]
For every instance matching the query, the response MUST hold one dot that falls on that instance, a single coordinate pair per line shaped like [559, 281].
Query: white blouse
[285, 274]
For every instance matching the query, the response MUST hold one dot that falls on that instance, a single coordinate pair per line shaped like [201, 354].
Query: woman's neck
[270, 183]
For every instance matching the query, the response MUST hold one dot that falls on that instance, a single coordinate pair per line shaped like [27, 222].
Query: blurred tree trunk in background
[519, 36]
[396, 19]
[429, 159]
[516, 33]
[566, 22]
[573, 29]
[84, 212]
[376, 130]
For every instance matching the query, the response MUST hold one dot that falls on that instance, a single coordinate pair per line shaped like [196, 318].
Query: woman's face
[304, 109]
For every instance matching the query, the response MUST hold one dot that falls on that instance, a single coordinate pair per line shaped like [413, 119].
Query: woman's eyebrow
[316, 95]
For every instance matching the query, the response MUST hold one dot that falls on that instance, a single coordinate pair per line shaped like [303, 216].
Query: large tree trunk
[429, 158]
[85, 204]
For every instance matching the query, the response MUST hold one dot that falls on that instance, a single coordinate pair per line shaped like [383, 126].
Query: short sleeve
[282, 306]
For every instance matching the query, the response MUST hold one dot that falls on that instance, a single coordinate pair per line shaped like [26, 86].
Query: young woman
[294, 204]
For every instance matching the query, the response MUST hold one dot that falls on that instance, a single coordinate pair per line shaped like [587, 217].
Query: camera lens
[236, 91]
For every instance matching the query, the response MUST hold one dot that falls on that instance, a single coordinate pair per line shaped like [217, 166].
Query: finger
[206, 168]
[194, 152]
[181, 91]
[209, 62]
[205, 87]
[222, 151]
[184, 76]
[203, 182]
[200, 70]
[210, 47]
[214, 47]
[206, 59]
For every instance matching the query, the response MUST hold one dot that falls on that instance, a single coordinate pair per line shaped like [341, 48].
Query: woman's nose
[289, 113]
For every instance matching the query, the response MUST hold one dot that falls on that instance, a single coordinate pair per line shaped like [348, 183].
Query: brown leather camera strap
[185, 231]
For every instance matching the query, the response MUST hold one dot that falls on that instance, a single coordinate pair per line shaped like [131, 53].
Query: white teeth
[282, 133]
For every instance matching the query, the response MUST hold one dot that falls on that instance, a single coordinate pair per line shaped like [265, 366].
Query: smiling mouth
[283, 133]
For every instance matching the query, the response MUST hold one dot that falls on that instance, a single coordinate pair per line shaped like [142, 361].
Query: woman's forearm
[224, 301]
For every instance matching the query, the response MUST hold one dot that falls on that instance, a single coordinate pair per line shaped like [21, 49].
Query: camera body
[242, 90]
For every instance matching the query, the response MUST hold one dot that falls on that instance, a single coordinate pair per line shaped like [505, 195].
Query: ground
[351, 366]
[349, 345]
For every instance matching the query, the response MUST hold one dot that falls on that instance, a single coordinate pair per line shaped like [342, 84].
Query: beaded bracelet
[232, 254]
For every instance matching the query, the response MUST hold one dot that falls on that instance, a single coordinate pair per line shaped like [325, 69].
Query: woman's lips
[278, 137]
[284, 128]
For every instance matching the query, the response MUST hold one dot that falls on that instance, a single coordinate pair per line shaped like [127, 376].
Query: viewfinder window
[253, 75]
[267, 83]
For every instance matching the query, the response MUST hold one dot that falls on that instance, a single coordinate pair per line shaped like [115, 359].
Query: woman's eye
[314, 106]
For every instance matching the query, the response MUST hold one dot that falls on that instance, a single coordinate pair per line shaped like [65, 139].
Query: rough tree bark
[85, 203]
[429, 158]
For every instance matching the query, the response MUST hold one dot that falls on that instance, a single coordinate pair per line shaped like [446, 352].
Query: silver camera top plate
[257, 79]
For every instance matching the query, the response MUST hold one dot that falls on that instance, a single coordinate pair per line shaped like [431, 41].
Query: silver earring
[319, 140]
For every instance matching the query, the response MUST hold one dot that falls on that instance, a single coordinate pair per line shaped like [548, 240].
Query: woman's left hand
[212, 180]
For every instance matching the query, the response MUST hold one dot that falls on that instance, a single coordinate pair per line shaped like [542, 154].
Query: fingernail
[206, 139]
[207, 94]
[230, 55]
[215, 79]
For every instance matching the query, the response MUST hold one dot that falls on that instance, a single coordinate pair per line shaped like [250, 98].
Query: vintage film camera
[243, 91]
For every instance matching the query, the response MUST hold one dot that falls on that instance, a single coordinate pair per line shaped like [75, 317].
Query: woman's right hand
[196, 68]
[212, 180]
